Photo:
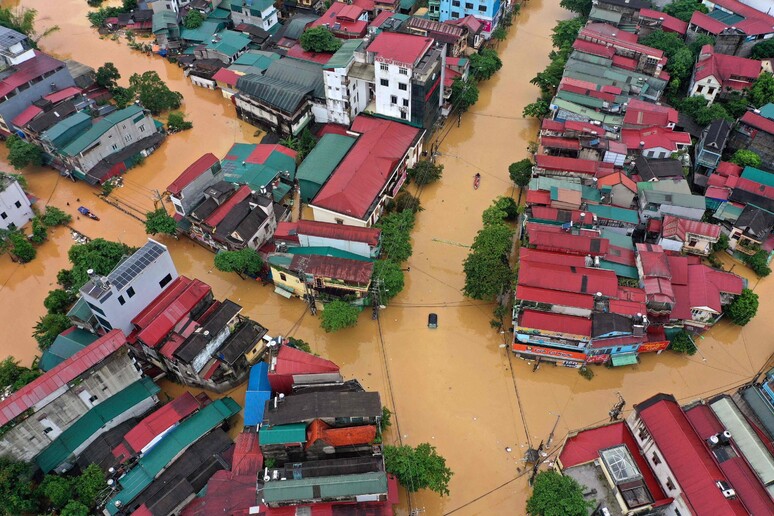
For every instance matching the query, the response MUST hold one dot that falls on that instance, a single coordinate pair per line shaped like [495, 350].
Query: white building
[260, 13]
[346, 94]
[15, 207]
[14, 48]
[116, 299]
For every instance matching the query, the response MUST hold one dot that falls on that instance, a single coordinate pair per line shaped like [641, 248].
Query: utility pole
[376, 298]
[615, 412]
[309, 292]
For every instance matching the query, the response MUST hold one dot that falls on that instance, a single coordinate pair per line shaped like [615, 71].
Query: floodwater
[454, 387]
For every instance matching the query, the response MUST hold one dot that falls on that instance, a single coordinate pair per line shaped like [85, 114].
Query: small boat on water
[85, 211]
[476, 181]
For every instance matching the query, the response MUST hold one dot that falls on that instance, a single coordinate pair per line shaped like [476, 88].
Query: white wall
[708, 88]
[360, 248]
[323, 215]
[384, 94]
[10, 213]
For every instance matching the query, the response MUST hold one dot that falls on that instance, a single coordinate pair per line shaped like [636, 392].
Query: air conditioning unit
[729, 493]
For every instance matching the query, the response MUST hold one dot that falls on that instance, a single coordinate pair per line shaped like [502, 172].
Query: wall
[10, 213]
[490, 12]
[289, 283]
[12, 107]
[266, 231]
[707, 88]
[266, 20]
[390, 73]
[360, 248]
[193, 193]
[258, 114]
[622, 196]
[118, 137]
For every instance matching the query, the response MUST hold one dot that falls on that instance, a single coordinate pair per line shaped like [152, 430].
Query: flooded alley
[457, 387]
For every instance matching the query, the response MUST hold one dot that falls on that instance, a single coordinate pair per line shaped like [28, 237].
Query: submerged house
[320, 276]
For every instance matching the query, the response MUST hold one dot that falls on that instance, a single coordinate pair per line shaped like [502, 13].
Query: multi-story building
[324, 277]
[755, 132]
[365, 242]
[260, 13]
[488, 11]
[718, 75]
[735, 25]
[346, 94]
[15, 207]
[187, 191]
[112, 301]
[14, 48]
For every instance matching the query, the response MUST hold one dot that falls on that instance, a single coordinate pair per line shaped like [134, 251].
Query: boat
[476, 181]
[85, 211]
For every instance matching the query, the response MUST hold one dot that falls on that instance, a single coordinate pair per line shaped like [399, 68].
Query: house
[269, 168]
[187, 191]
[365, 242]
[260, 13]
[673, 197]
[751, 229]
[621, 13]
[291, 367]
[557, 239]
[488, 13]
[627, 52]
[407, 77]
[655, 142]
[26, 81]
[736, 26]
[756, 133]
[348, 488]
[112, 301]
[710, 148]
[327, 277]
[718, 75]
[457, 68]
[472, 26]
[658, 169]
[320, 164]
[285, 98]
[39, 420]
[688, 236]
[345, 21]
[15, 48]
[370, 173]
[346, 95]
[165, 27]
[225, 46]
[640, 114]
[561, 193]
[618, 188]
[66, 344]
[550, 166]
[452, 36]
[290, 32]
[651, 21]
[335, 408]
[15, 206]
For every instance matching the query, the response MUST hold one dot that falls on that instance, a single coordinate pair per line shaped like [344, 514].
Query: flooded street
[454, 387]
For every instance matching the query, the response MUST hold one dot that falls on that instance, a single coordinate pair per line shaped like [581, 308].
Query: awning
[284, 293]
[624, 359]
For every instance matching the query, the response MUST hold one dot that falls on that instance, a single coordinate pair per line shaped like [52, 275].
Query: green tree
[390, 277]
[499, 34]
[75, 508]
[48, 328]
[123, 96]
[548, 80]
[565, 32]
[682, 343]
[89, 484]
[700, 41]
[485, 64]
[684, 9]
[396, 235]
[425, 172]
[153, 93]
[554, 494]
[669, 42]
[16, 491]
[193, 20]
[746, 158]
[299, 344]
[22, 19]
[716, 111]
[58, 301]
[418, 468]
[107, 76]
[128, 5]
[386, 421]
[486, 268]
[338, 315]
[538, 109]
[758, 263]
[763, 50]
[176, 121]
[39, 231]
[21, 247]
[743, 308]
[404, 201]
[97, 18]
[503, 208]
[721, 244]
[53, 216]
[16, 376]
[762, 90]
[159, 221]
[58, 490]
[100, 255]
[22, 153]
[64, 278]
[582, 7]
[736, 104]
[521, 172]
[464, 93]
[319, 39]
[306, 142]
[244, 261]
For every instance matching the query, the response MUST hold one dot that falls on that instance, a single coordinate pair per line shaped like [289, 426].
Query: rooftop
[306, 407]
[555, 322]
[100, 127]
[325, 488]
[196, 169]
[26, 71]
[350, 271]
[731, 71]
[68, 343]
[405, 49]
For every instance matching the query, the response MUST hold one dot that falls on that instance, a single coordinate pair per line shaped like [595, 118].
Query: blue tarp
[258, 391]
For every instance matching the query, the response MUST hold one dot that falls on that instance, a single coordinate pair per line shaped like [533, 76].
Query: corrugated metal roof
[318, 166]
[258, 391]
[343, 55]
[281, 434]
[347, 436]
[369, 236]
[176, 305]
[45, 385]
[561, 323]
[196, 169]
[99, 128]
[327, 488]
[353, 272]
[68, 343]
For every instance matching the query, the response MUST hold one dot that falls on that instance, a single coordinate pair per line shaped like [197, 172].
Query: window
[93, 399]
[115, 146]
[402, 86]
[455, 15]
[710, 91]
[468, 5]
[142, 128]
[47, 430]
[403, 71]
[128, 138]
[96, 309]
[165, 280]
[405, 102]
[283, 277]
[403, 115]
[656, 460]
[643, 434]
[104, 323]
[700, 89]
[339, 221]
[121, 300]
[455, 3]
[130, 292]
[393, 99]
[670, 485]
[17, 204]
[384, 82]
[482, 8]
[383, 67]
[4, 215]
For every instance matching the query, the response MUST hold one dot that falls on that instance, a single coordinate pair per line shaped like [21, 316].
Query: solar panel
[135, 264]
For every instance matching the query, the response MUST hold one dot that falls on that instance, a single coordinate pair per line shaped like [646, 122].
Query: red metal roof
[298, 52]
[350, 271]
[581, 166]
[585, 446]
[221, 211]
[731, 71]
[755, 22]
[380, 18]
[587, 91]
[348, 436]
[654, 261]
[726, 168]
[668, 23]
[538, 197]
[369, 236]
[551, 125]
[557, 215]
[758, 121]
[579, 280]
[25, 116]
[248, 458]
[584, 127]
[679, 227]
[368, 5]
[714, 192]
[584, 243]
[646, 114]
[560, 323]
[363, 173]
[547, 257]
[400, 48]
[61, 95]
[229, 494]
[654, 137]
[617, 178]
[687, 457]
[58, 377]
[157, 423]
[229, 77]
[554, 297]
[678, 268]
[608, 34]
[262, 151]
[707, 23]
[555, 142]
[196, 169]
[342, 18]
[595, 49]
[293, 361]
[28, 70]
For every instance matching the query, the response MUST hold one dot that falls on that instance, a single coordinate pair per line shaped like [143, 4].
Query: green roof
[204, 32]
[343, 55]
[589, 193]
[83, 141]
[328, 251]
[81, 310]
[173, 444]
[625, 271]
[219, 14]
[617, 239]
[64, 131]
[546, 183]
[608, 16]
[162, 20]
[759, 176]
[407, 4]
[92, 421]
[606, 211]
[588, 112]
[768, 111]
[728, 212]
[325, 488]
[257, 59]
[65, 346]
[237, 168]
[256, 6]
[279, 191]
[228, 42]
[624, 359]
[281, 434]
[318, 166]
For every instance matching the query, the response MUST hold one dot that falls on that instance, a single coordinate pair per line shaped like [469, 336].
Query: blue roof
[258, 392]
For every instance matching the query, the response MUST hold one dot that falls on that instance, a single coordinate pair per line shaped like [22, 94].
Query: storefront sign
[597, 359]
[548, 352]
[647, 347]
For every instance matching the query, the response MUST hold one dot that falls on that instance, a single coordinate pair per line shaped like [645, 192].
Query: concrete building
[260, 13]
[324, 277]
[14, 48]
[657, 198]
[755, 132]
[346, 94]
[488, 11]
[365, 242]
[15, 207]
[711, 146]
[688, 236]
[718, 75]
[114, 300]
[187, 191]
[225, 46]
[735, 26]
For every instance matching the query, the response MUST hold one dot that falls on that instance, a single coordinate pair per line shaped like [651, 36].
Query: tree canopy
[396, 235]
[176, 122]
[763, 50]
[746, 158]
[758, 263]
[487, 272]
[425, 172]
[53, 216]
[16, 488]
[503, 208]
[244, 261]
[48, 328]
[58, 301]
[193, 20]
[319, 39]
[303, 144]
[159, 221]
[23, 153]
[418, 468]
[16, 376]
[89, 484]
[762, 90]
[338, 315]
[100, 255]
[21, 247]
[107, 76]
[153, 93]
[22, 19]
[582, 7]
[684, 9]
[521, 172]
[391, 278]
[464, 93]
[554, 494]
[565, 32]
[743, 308]
[537, 109]
[485, 64]
[682, 343]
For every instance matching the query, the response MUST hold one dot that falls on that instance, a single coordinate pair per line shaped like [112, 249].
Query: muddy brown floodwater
[454, 387]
